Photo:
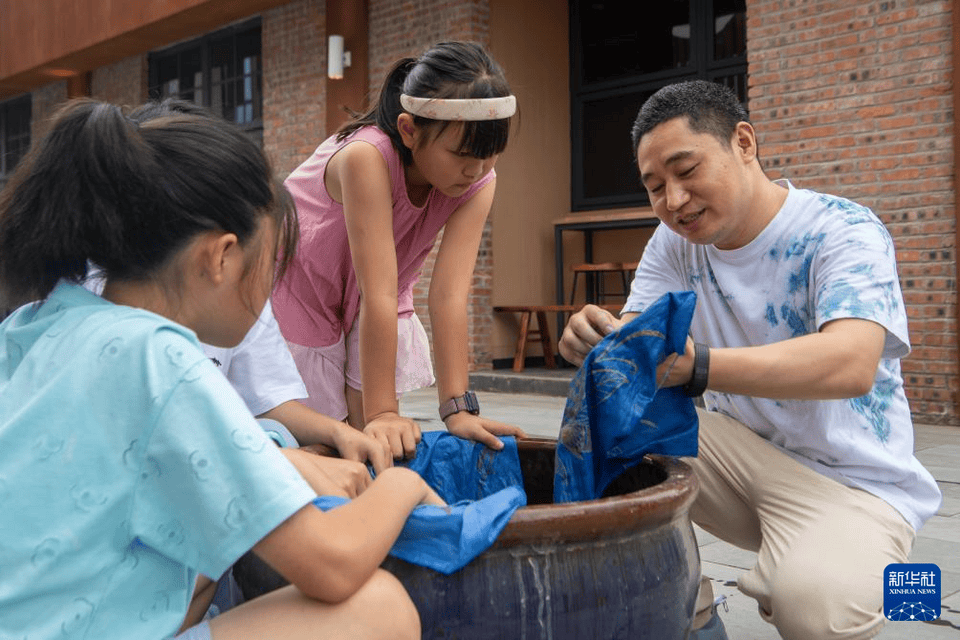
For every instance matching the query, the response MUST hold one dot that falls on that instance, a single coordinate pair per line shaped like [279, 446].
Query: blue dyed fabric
[615, 414]
[482, 488]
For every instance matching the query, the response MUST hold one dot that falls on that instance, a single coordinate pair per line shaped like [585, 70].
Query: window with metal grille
[220, 71]
[14, 134]
[622, 52]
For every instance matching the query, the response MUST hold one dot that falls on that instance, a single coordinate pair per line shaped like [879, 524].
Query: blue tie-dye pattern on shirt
[873, 406]
[843, 300]
[865, 269]
[800, 323]
[854, 213]
[805, 247]
[695, 278]
[807, 244]
[835, 202]
[885, 306]
[801, 250]
[800, 279]
[772, 315]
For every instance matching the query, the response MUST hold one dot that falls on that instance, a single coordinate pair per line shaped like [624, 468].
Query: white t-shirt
[260, 368]
[820, 259]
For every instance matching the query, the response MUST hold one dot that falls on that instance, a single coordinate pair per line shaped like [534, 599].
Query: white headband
[469, 109]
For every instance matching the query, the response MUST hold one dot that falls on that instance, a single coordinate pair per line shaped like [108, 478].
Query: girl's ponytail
[65, 204]
[128, 193]
[385, 112]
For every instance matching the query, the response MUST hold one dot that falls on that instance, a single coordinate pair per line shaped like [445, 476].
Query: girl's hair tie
[460, 109]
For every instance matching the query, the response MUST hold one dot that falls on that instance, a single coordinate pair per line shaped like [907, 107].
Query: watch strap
[701, 371]
[467, 402]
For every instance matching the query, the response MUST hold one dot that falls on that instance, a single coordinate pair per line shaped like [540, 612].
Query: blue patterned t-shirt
[129, 465]
[821, 258]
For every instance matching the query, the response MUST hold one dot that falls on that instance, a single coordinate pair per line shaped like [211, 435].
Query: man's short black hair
[708, 106]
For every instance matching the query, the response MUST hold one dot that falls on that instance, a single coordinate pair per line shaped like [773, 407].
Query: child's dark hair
[447, 70]
[126, 193]
[709, 107]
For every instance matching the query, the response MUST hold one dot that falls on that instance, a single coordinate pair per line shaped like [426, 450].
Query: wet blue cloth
[482, 488]
[615, 414]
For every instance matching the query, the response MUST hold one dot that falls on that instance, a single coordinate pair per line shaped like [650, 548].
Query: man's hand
[676, 369]
[584, 330]
[470, 427]
[399, 434]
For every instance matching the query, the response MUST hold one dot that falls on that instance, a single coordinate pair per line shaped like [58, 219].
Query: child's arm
[329, 476]
[329, 555]
[311, 427]
[359, 175]
[448, 298]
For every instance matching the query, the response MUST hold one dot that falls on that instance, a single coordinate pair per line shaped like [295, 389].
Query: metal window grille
[622, 52]
[15, 117]
[220, 71]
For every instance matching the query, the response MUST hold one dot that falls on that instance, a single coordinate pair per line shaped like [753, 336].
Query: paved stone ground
[938, 542]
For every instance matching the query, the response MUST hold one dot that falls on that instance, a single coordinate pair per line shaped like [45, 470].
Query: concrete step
[549, 382]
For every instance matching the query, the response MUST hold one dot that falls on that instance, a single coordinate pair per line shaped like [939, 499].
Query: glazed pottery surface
[622, 566]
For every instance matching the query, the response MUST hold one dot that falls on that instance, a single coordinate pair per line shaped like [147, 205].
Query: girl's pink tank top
[318, 299]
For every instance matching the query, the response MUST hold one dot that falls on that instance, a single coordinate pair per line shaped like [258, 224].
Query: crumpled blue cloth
[615, 414]
[482, 488]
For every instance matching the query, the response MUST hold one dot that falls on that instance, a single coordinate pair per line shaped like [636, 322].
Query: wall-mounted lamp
[337, 58]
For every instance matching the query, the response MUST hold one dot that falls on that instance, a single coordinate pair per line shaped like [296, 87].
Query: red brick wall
[398, 30]
[294, 75]
[854, 99]
[123, 83]
[44, 101]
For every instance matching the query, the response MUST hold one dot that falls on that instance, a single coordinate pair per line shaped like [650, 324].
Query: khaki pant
[821, 546]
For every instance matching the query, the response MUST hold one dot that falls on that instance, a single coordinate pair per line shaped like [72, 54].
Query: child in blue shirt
[134, 468]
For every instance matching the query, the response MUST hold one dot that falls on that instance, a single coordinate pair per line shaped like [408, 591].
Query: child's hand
[471, 427]
[330, 476]
[362, 447]
[399, 434]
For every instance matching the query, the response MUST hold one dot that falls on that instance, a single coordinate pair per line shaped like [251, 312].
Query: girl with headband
[372, 200]
[136, 473]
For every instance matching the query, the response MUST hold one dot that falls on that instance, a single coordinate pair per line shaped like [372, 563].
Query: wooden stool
[542, 331]
[594, 273]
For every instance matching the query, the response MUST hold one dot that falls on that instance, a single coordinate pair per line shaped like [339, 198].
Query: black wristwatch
[467, 402]
[701, 371]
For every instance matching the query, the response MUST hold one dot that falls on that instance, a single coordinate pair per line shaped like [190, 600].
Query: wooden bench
[542, 330]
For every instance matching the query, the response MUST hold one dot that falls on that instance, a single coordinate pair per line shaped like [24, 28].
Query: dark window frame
[203, 50]
[15, 121]
[584, 94]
